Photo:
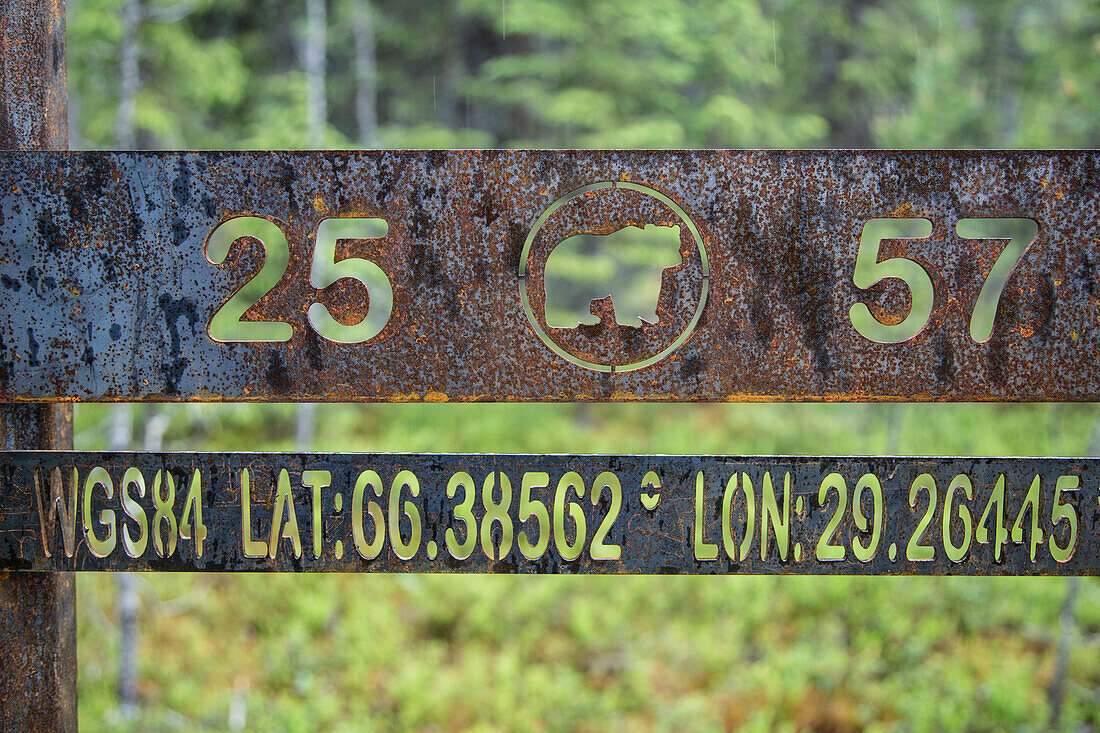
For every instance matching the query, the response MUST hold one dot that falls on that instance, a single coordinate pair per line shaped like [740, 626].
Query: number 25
[869, 270]
[226, 323]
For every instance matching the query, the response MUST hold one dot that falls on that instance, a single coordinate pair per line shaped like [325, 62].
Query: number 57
[869, 270]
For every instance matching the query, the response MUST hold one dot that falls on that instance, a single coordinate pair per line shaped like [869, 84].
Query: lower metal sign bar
[64, 510]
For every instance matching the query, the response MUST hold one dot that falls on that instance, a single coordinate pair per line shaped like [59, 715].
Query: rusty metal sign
[405, 276]
[548, 514]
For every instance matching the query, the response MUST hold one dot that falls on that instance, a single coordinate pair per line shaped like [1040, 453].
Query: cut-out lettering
[284, 529]
[327, 270]
[496, 512]
[703, 550]
[533, 509]
[599, 549]
[728, 541]
[1064, 511]
[250, 546]
[98, 476]
[368, 550]
[956, 553]
[54, 505]
[996, 504]
[864, 552]
[134, 511]
[463, 512]
[915, 551]
[404, 549]
[192, 512]
[780, 519]
[1030, 506]
[1020, 235]
[165, 545]
[650, 499]
[316, 479]
[226, 324]
[571, 482]
[827, 551]
[869, 270]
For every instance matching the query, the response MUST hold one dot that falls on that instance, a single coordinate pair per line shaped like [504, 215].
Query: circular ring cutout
[535, 321]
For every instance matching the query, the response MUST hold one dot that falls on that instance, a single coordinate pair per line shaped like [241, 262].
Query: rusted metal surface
[108, 293]
[38, 649]
[34, 99]
[37, 610]
[692, 514]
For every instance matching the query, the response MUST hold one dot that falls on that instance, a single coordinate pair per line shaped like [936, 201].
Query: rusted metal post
[37, 610]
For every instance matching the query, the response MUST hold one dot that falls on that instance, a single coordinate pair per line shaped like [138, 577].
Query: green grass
[495, 653]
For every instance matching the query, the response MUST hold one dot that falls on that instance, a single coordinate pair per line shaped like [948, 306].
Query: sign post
[37, 609]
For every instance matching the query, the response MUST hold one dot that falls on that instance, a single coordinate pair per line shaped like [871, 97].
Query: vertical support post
[37, 610]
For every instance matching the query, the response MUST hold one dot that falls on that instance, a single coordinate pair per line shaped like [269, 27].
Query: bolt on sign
[422, 276]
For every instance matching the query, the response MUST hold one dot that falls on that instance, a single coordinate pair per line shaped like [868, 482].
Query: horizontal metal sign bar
[404, 275]
[548, 514]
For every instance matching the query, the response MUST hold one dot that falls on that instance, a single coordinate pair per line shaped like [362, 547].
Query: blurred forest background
[207, 652]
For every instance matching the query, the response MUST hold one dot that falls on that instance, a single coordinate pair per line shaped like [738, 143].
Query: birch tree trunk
[121, 428]
[129, 76]
[121, 437]
[366, 88]
[313, 61]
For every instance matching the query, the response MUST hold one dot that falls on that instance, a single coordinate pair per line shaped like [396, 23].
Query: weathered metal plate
[549, 514]
[108, 292]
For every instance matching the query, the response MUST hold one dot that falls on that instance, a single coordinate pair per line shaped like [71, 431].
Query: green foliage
[1007, 74]
[563, 654]
[187, 78]
[617, 73]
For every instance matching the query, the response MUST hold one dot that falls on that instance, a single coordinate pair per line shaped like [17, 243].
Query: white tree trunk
[313, 61]
[121, 433]
[129, 75]
[366, 87]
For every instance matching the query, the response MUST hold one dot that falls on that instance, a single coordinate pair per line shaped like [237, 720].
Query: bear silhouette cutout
[609, 278]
